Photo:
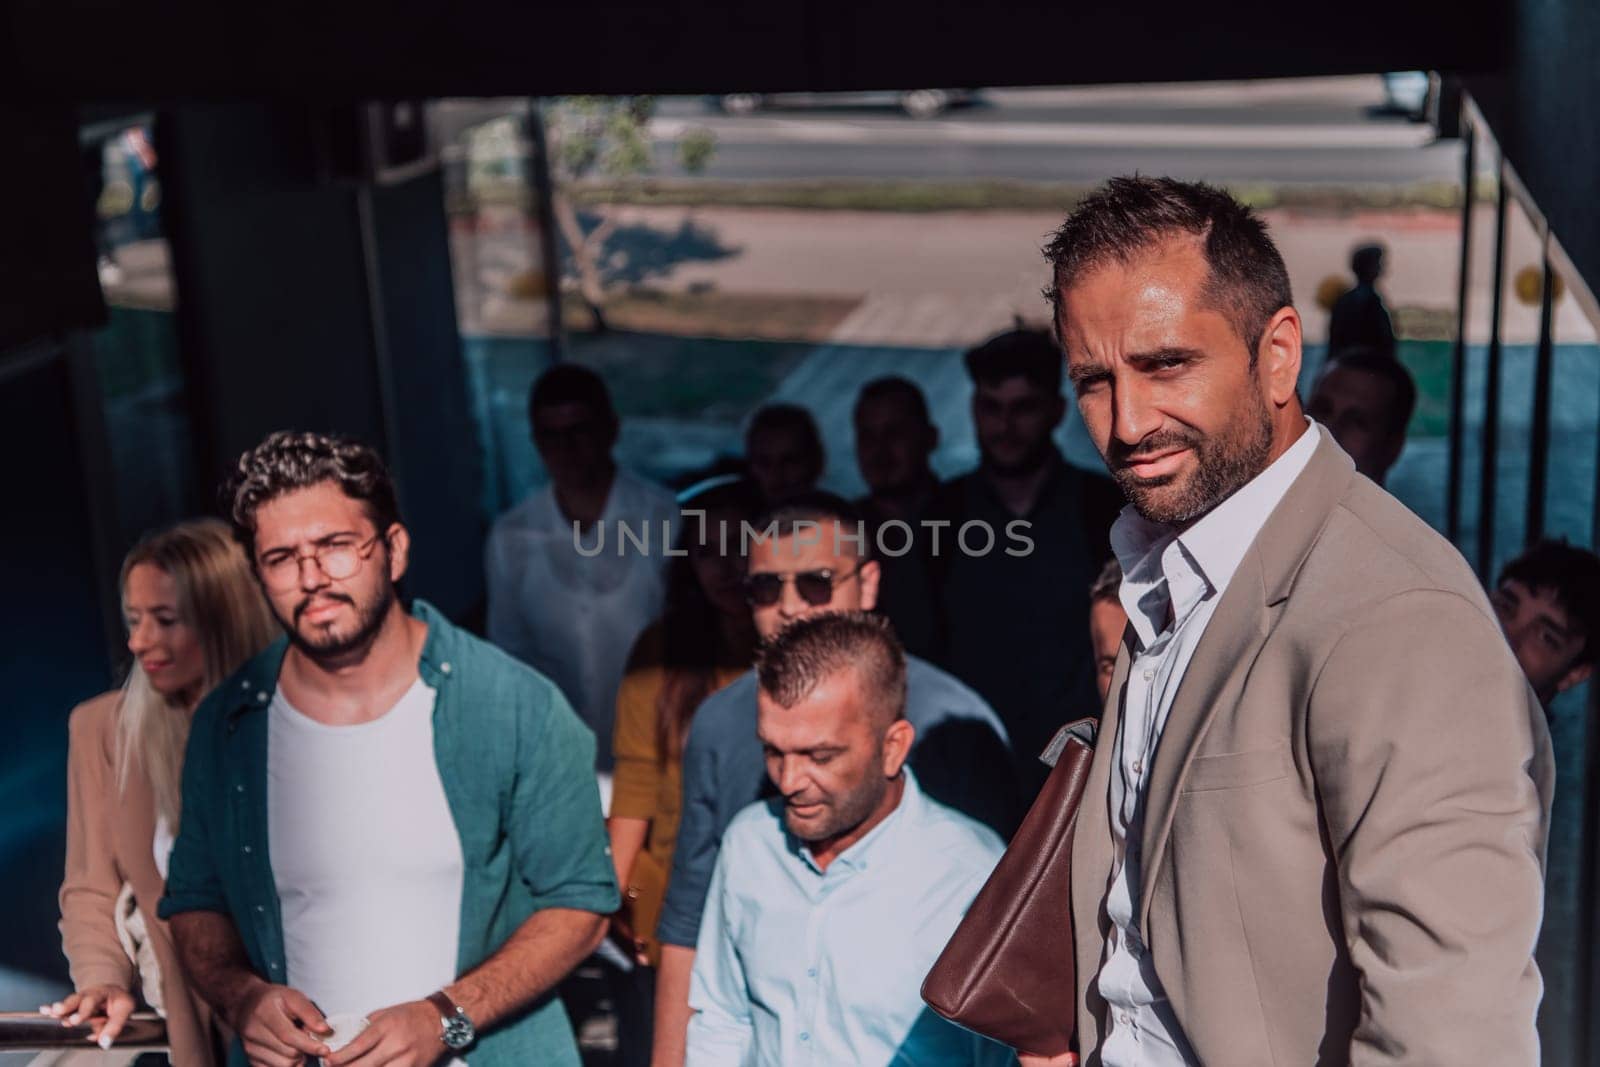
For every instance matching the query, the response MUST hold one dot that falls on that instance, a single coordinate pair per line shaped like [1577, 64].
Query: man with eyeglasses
[811, 556]
[391, 847]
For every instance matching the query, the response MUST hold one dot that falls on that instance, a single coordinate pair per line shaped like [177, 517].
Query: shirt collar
[881, 839]
[258, 679]
[1160, 564]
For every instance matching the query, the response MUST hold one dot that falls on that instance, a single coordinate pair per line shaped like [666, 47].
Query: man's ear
[869, 577]
[1280, 355]
[1576, 676]
[897, 742]
[398, 539]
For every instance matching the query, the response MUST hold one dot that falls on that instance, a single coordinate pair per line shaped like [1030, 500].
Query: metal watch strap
[449, 1010]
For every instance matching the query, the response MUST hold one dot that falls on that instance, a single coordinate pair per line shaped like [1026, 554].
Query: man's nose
[312, 576]
[791, 605]
[791, 776]
[1133, 415]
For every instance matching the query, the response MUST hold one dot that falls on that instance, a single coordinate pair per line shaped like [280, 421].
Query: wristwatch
[458, 1031]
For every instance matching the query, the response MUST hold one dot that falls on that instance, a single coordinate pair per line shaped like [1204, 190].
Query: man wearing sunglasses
[391, 838]
[812, 558]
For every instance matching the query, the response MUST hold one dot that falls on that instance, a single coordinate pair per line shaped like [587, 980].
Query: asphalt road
[1330, 130]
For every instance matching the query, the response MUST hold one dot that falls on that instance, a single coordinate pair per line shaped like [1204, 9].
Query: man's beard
[331, 646]
[847, 812]
[1223, 465]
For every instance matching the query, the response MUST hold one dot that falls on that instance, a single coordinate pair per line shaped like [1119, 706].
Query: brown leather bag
[1008, 972]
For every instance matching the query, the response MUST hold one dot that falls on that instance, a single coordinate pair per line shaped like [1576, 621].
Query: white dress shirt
[574, 615]
[1171, 585]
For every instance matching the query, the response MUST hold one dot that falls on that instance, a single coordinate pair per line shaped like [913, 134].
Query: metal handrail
[23, 1031]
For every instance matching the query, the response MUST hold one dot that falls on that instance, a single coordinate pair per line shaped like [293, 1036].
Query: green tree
[605, 138]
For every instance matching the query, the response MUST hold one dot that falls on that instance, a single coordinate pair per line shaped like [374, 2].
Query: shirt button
[805, 1036]
[262, 697]
[247, 850]
[1149, 676]
[1123, 1018]
[445, 667]
[1138, 766]
[811, 972]
[261, 909]
[239, 788]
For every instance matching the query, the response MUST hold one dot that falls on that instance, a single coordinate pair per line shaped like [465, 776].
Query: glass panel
[1474, 373]
[136, 354]
[498, 265]
[1519, 335]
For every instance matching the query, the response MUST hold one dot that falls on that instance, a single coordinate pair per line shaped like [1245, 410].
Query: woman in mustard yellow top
[703, 640]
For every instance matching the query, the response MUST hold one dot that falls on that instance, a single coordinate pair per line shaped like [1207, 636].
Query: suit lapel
[1234, 636]
[1223, 659]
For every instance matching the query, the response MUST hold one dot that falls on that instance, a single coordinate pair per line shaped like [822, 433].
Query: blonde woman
[194, 614]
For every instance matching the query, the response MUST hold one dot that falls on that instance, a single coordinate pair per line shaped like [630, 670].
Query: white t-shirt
[365, 855]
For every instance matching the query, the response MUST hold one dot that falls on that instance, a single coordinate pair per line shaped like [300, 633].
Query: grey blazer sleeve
[1425, 755]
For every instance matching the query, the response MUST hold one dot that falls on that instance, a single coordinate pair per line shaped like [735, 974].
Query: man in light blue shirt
[831, 901]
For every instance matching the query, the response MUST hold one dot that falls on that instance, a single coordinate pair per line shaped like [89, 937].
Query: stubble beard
[1223, 465]
[327, 646]
[845, 814]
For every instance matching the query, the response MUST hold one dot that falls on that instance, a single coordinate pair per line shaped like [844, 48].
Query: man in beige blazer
[1314, 828]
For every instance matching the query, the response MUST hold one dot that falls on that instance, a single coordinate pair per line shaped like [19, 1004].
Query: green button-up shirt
[517, 766]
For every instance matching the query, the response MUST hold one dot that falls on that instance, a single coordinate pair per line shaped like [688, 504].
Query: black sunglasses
[815, 587]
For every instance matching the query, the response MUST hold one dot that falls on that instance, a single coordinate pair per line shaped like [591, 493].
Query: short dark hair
[1107, 584]
[569, 383]
[808, 651]
[791, 418]
[1391, 370]
[895, 387]
[1366, 262]
[1248, 282]
[818, 506]
[1573, 575]
[289, 460]
[1032, 354]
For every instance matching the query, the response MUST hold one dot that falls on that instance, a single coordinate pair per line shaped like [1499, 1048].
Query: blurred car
[1407, 92]
[918, 103]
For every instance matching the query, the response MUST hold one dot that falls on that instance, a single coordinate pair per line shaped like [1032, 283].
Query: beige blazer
[1344, 835]
[110, 840]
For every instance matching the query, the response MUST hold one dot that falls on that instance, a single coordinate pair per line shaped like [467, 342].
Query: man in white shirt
[1313, 830]
[831, 901]
[577, 570]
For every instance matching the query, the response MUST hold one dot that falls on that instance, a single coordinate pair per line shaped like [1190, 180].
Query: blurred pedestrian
[1366, 400]
[895, 439]
[1359, 317]
[194, 614]
[783, 451]
[1548, 603]
[703, 640]
[567, 594]
[1017, 618]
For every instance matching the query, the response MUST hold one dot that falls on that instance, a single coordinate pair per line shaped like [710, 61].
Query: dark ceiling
[111, 50]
